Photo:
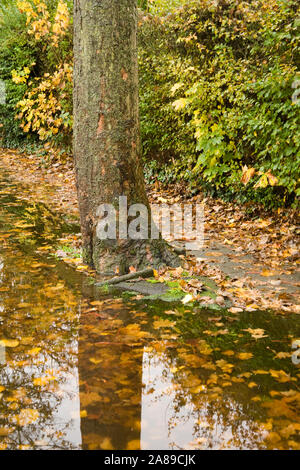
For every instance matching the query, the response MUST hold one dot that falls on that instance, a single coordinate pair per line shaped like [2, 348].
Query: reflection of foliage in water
[41, 317]
[229, 381]
[220, 380]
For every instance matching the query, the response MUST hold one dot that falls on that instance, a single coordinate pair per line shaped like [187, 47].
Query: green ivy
[216, 96]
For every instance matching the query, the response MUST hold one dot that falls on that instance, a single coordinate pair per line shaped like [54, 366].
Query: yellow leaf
[134, 445]
[282, 355]
[163, 324]
[252, 385]
[263, 182]
[82, 267]
[280, 375]
[34, 351]
[272, 179]
[87, 398]
[26, 417]
[106, 444]
[5, 431]
[9, 343]
[95, 361]
[256, 333]
[245, 356]
[228, 353]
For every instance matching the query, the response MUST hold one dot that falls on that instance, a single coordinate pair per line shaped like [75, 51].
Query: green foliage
[15, 52]
[216, 96]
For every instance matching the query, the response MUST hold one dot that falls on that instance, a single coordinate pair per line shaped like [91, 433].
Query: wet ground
[84, 369]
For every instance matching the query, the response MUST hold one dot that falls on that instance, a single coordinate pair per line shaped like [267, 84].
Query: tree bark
[106, 131]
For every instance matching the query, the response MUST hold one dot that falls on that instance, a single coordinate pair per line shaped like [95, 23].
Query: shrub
[216, 92]
[36, 65]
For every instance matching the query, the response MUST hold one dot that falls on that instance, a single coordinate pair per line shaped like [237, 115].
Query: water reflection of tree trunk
[110, 377]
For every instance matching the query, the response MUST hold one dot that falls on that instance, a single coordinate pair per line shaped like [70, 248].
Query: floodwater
[81, 369]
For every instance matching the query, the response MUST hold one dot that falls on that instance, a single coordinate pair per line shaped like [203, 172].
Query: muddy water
[85, 370]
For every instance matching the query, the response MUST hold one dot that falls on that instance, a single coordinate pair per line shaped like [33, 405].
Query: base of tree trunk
[117, 256]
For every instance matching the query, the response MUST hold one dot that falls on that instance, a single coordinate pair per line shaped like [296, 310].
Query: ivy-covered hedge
[217, 95]
[218, 90]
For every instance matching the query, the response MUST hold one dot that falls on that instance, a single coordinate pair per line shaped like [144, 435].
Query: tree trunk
[106, 131]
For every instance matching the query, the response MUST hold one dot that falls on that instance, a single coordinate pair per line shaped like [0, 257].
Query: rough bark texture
[106, 130]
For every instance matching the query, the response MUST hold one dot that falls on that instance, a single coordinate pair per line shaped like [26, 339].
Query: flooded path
[85, 370]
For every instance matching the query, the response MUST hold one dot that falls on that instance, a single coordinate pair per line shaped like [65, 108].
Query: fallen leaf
[244, 356]
[9, 343]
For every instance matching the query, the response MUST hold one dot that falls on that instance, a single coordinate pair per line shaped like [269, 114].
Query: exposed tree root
[113, 256]
[127, 277]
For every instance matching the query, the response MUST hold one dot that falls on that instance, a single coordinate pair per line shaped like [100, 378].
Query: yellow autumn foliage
[42, 109]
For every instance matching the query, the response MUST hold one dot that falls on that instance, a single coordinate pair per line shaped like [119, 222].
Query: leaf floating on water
[95, 361]
[106, 444]
[133, 331]
[225, 366]
[9, 343]
[163, 324]
[188, 298]
[134, 445]
[235, 310]
[5, 431]
[290, 430]
[228, 353]
[132, 269]
[280, 376]
[267, 273]
[252, 384]
[27, 340]
[82, 267]
[24, 305]
[245, 356]
[282, 355]
[256, 333]
[34, 351]
[87, 398]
